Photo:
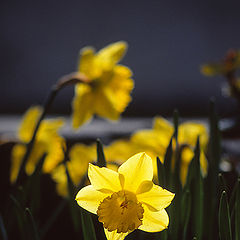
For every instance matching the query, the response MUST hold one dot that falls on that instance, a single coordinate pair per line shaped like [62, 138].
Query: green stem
[70, 79]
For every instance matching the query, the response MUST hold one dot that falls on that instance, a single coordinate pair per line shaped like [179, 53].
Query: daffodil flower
[155, 141]
[80, 155]
[127, 199]
[107, 91]
[48, 142]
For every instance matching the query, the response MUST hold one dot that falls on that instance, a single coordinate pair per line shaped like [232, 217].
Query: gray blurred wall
[168, 41]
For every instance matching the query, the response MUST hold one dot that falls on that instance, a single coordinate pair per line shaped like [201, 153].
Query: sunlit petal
[89, 198]
[87, 63]
[112, 54]
[114, 235]
[104, 178]
[157, 198]
[135, 170]
[82, 105]
[105, 106]
[28, 123]
[161, 124]
[154, 221]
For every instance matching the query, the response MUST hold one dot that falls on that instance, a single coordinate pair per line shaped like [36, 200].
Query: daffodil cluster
[153, 141]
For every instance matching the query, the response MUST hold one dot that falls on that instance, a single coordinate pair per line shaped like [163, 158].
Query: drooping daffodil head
[107, 92]
[48, 141]
[126, 199]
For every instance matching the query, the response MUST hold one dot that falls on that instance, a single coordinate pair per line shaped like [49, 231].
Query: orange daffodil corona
[127, 199]
[107, 92]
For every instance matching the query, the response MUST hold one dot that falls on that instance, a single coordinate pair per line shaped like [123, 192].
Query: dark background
[168, 41]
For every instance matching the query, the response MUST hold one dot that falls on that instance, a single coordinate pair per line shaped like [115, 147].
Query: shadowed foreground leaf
[101, 161]
[237, 212]
[225, 232]
[87, 225]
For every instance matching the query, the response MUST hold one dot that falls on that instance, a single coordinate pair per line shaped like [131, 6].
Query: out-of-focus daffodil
[80, 155]
[155, 141]
[48, 142]
[127, 199]
[107, 92]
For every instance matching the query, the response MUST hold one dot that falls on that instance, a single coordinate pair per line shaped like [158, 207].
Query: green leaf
[237, 212]
[32, 228]
[214, 154]
[224, 221]
[2, 229]
[222, 183]
[32, 187]
[175, 123]
[195, 184]
[74, 209]
[21, 218]
[197, 190]
[168, 163]
[87, 225]
[101, 161]
[53, 217]
[161, 173]
[185, 211]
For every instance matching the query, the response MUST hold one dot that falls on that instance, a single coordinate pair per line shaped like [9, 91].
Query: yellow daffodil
[155, 141]
[127, 199]
[47, 142]
[107, 92]
[80, 155]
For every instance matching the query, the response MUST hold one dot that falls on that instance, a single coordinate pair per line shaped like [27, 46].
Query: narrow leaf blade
[101, 161]
[225, 232]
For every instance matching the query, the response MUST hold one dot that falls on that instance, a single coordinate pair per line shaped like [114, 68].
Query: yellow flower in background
[155, 142]
[108, 92]
[48, 142]
[127, 199]
[80, 155]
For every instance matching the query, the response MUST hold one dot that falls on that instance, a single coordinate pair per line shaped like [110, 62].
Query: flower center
[121, 211]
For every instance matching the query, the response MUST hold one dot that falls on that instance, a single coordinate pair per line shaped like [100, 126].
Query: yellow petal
[39, 149]
[18, 152]
[55, 154]
[157, 198]
[105, 106]
[114, 235]
[28, 123]
[154, 221]
[163, 125]
[189, 131]
[82, 105]
[121, 85]
[89, 198]
[135, 170]
[104, 178]
[112, 54]
[87, 63]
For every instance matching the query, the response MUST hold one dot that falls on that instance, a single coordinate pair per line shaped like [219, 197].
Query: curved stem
[70, 79]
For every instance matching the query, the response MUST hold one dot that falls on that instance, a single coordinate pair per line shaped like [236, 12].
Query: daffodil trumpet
[126, 199]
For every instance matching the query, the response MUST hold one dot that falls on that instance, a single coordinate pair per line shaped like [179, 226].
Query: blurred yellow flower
[48, 142]
[80, 155]
[155, 141]
[108, 92]
[127, 199]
